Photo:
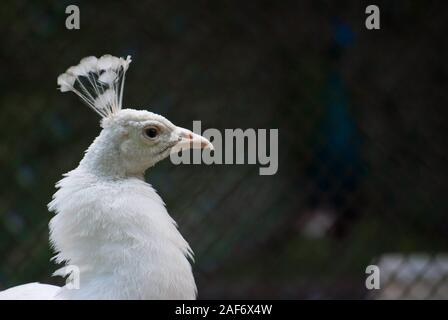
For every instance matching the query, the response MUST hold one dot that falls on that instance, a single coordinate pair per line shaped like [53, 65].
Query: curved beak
[190, 140]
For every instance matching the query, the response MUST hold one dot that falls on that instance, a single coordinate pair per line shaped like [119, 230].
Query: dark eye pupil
[151, 132]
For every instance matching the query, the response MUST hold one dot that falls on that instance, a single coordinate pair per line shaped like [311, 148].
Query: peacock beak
[191, 140]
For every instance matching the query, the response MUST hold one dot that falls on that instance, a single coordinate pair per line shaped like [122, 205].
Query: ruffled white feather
[99, 82]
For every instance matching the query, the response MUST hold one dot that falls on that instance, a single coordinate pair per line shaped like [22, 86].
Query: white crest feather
[99, 82]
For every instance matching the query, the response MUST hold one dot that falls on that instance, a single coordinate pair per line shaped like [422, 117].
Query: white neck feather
[114, 227]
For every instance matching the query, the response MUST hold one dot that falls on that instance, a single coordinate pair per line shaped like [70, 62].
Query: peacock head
[138, 137]
[144, 138]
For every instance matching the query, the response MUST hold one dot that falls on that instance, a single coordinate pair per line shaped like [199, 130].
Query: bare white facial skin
[145, 138]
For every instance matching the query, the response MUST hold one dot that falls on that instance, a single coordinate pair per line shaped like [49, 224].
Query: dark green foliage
[361, 117]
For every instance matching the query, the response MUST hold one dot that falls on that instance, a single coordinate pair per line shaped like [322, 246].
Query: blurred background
[361, 117]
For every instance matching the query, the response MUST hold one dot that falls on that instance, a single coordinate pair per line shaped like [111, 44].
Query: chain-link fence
[361, 118]
[415, 276]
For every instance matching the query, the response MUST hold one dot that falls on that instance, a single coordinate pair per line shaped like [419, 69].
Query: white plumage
[109, 222]
[98, 82]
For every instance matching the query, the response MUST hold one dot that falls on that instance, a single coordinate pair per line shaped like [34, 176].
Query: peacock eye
[151, 132]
